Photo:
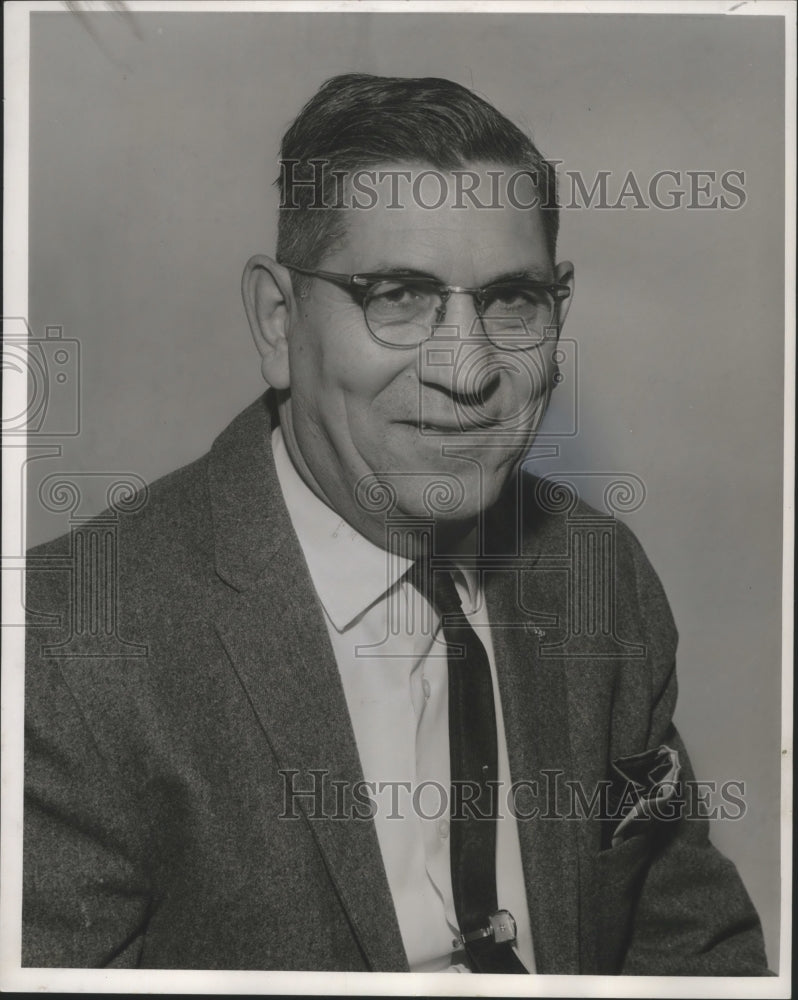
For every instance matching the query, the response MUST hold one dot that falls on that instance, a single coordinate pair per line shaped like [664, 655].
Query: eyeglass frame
[366, 280]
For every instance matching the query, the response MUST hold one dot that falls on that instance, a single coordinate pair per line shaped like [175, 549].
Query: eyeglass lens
[513, 316]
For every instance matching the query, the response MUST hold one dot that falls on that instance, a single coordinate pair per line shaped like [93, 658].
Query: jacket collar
[250, 522]
[272, 629]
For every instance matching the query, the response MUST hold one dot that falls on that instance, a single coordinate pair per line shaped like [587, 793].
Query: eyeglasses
[403, 310]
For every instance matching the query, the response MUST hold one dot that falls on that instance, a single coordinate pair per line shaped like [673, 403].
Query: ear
[269, 303]
[564, 274]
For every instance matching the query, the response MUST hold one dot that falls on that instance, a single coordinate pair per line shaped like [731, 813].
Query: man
[388, 704]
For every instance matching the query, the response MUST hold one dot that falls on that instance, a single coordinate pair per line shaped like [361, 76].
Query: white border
[741, 8]
[15, 260]
[788, 535]
[15, 303]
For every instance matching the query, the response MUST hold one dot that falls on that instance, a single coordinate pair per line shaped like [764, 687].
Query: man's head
[420, 178]
[357, 121]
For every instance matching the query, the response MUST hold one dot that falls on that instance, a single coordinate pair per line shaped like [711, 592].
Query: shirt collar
[466, 574]
[349, 572]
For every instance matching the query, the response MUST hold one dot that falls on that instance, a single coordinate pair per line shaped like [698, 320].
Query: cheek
[338, 370]
[526, 380]
[322, 351]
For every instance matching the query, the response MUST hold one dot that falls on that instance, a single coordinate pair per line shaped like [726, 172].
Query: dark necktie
[486, 931]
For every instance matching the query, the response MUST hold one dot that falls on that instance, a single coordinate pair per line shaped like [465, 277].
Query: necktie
[486, 931]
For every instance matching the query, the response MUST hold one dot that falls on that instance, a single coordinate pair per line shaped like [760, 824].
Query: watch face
[504, 928]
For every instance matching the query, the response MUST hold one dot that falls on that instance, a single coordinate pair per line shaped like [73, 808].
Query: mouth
[429, 427]
[451, 427]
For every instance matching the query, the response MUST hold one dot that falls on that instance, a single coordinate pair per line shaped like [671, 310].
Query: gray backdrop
[153, 144]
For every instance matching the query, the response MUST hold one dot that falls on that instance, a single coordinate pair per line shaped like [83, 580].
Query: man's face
[455, 411]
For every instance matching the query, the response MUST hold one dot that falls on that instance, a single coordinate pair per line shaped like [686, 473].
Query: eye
[514, 298]
[397, 292]
[399, 300]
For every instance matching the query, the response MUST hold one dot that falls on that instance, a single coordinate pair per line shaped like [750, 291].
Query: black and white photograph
[398, 498]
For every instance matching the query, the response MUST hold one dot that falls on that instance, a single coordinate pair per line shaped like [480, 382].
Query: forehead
[463, 227]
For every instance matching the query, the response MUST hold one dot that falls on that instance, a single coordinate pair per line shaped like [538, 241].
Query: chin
[434, 479]
[451, 496]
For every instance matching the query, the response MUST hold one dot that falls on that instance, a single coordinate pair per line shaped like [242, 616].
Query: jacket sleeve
[693, 916]
[85, 891]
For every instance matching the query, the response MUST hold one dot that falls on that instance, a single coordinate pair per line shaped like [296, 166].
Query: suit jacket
[157, 831]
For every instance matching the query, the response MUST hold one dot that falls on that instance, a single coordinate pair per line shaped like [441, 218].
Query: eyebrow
[531, 273]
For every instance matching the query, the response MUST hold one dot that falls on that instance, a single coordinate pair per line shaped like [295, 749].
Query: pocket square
[642, 784]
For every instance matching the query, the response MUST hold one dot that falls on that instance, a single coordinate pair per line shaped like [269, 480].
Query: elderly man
[376, 715]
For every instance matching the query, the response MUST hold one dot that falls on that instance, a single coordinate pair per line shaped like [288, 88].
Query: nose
[458, 357]
[460, 313]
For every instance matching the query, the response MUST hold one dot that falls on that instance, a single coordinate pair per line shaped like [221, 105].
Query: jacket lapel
[534, 694]
[272, 626]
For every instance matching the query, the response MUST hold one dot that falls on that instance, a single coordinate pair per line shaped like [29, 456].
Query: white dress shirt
[394, 674]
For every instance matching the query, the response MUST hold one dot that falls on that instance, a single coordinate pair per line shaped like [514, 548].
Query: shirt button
[443, 829]
[427, 689]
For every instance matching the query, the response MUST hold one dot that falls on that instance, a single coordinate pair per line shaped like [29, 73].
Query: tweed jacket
[156, 832]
